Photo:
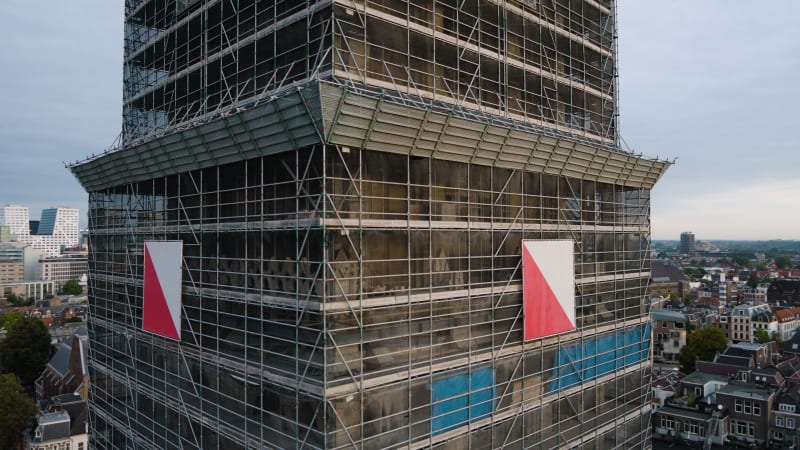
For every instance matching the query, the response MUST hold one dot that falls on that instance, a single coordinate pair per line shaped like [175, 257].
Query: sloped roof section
[262, 126]
[344, 114]
[663, 273]
[399, 123]
[60, 360]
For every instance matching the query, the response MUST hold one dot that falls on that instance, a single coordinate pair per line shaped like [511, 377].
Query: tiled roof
[53, 425]
[734, 360]
[783, 315]
[662, 273]
[60, 361]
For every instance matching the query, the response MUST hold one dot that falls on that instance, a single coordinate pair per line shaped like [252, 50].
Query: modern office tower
[15, 217]
[367, 224]
[687, 244]
[57, 229]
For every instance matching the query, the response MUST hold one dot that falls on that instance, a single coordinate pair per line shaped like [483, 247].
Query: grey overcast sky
[712, 83]
[60, 95]
[715, 83]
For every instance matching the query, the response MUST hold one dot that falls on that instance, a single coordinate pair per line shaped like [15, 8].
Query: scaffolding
[383, 268]
[352, 181]
[548, 62]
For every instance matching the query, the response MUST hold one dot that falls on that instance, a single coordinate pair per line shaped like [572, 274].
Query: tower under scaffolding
[351, 181]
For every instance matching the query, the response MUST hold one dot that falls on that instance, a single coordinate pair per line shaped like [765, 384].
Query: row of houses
[62, 393]
[721, 286]
[54, 310]
[745, 396]
[748, 395]
[741, 324]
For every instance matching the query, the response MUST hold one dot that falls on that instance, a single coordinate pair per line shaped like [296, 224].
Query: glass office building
[351, 183]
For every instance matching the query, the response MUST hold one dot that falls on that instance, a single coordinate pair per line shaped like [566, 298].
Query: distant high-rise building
[58, 227]
[687, 244]
[369, 224]
[15, 217]
[21, 252]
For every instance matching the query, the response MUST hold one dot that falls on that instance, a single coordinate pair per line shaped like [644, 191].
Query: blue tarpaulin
[600, 356]
[461, 397]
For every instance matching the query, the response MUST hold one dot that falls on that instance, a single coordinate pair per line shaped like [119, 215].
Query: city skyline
[676, 73]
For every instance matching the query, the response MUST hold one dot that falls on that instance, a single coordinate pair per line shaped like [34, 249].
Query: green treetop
[72, 287]
[17, 411]
[25, 350]
[701, 344]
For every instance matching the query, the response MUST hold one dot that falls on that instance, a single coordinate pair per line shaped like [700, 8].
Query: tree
[25, 350]
[753, 280]
[9, 318]
[742, 261]
[761, 336]
[13, 299]
[72, 287]
[784, 262]
[16, 411]
[701, 344]
[18, 300]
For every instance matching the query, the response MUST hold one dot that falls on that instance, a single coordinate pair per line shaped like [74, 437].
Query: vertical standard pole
[323, 316]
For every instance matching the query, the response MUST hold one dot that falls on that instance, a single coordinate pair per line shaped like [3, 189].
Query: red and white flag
[548, 287]
[162, 288]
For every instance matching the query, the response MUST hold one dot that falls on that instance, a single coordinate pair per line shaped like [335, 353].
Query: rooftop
[736, 389]
[751, 346]
[53, 417]
[666, 380]
[749, 310]
[703, 378]
[60, 361]
[51, 426]
[689, 414]
[662, 273]
[666, 314]
[742, 361]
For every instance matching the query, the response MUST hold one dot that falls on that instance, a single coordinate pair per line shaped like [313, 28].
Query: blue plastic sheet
[461, 397]
[600, 356]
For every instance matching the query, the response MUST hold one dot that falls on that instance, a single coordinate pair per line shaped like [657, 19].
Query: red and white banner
[162, 288]
[548, 287]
